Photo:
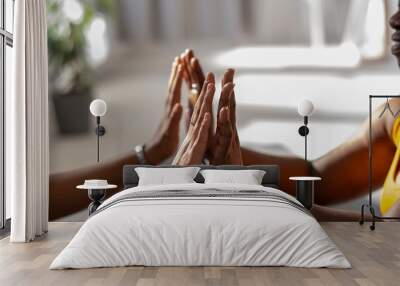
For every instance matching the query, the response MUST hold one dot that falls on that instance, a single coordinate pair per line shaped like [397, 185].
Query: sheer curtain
[27, 148]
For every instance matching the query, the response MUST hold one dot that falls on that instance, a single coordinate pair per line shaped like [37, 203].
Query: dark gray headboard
[271, 177]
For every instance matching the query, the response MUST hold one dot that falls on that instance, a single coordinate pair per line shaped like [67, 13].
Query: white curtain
[27, 147]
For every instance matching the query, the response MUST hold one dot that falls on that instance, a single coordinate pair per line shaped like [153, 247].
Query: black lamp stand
[100, 131]
[304, 131]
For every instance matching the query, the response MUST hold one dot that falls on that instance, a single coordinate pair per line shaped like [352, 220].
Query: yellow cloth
[391, 190]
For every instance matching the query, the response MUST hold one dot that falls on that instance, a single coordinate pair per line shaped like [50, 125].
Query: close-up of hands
[222, 145]
[194, 146]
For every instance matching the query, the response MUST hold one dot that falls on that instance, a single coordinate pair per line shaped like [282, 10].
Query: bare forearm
[289, 166]
[344, 170]
[64, 199]
[292, 166]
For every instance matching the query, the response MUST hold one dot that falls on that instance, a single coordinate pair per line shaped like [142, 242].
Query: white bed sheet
[200, 231]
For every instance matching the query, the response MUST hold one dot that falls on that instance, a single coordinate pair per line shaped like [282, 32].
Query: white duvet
[200, 231]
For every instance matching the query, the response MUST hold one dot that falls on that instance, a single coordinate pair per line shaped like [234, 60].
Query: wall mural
[250, 65]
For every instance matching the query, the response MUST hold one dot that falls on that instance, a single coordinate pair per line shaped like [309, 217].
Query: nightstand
[96, 193]
[305, 190]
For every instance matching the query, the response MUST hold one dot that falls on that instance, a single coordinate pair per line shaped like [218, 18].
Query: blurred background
[334, 53]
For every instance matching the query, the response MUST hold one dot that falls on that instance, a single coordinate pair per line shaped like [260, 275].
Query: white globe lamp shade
[98, 107]
[305, 108]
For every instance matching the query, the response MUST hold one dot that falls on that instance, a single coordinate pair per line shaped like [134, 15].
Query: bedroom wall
[144, 36]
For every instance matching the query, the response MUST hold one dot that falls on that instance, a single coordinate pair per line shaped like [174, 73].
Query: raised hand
[192, 70]
[225, 148]
[194, 146]
[222, 138]
[194, 77]
[234, 154]
[166, 139]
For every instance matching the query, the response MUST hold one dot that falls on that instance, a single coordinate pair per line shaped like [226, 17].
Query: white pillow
[164, 176]
[247, 177]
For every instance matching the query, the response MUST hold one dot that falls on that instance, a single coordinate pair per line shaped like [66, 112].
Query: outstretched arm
[344, 169]
[65, 200]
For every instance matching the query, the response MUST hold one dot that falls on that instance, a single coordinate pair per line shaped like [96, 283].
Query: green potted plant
[71, 71]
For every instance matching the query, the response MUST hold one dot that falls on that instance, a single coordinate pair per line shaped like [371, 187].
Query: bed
[198, 224]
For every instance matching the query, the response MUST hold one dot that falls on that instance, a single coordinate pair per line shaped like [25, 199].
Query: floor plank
[375, 257]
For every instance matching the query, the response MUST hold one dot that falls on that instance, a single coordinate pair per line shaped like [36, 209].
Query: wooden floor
[375, 257]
